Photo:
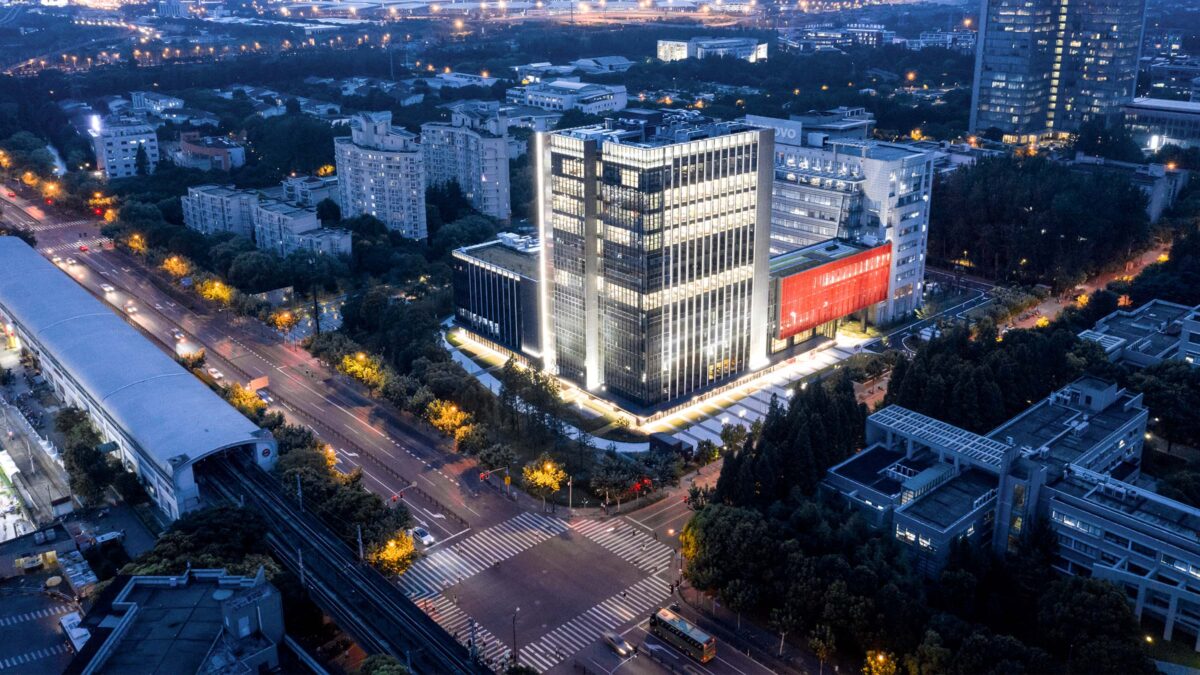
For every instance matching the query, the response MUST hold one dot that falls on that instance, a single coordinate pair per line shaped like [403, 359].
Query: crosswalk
[48, 225]
[628, 542]
[456, 622]
[36, 655]
[630, 604]
[36, 614]
[448, 566]
[93, 243]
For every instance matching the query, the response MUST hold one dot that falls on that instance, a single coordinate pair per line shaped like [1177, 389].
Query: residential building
[310, 190]
[209, 152]
[747, 49]
[1045, 67]
[161, 419]
[1072, 460]
[117, 141]
[471, 150]
[285, 228]
[497, 288]
[862, 191]
[201, 621]
[154, 102]
[212, 209]
[381, 173]
[631, 208]
[956, 40]
[570, 95]
[1155, 122]
[1146, 336]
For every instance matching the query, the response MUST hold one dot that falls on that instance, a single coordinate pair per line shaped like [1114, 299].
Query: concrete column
[1141, 601]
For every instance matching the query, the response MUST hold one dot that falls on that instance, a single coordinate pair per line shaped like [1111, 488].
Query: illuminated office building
[655, 232]
[1045, 67]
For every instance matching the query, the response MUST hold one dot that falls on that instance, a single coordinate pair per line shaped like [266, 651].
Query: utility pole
[300, 555]
[516, 655]
[360, 547]
[570, 496]
[299, 492]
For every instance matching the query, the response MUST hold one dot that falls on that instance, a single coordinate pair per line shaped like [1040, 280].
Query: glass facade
[1047, 66]
[653, 252]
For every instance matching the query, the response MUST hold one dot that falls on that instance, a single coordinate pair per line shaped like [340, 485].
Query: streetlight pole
[516, 659]
[570, 496]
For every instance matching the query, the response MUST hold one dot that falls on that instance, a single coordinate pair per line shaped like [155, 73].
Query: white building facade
[469, 151]
[592, 99]
[213, 209]
[381, 173]
[116, 142]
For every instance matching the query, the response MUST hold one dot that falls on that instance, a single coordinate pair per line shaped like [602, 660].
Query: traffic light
[483, 475]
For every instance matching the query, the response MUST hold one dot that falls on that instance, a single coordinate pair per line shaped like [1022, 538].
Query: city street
[572, 579]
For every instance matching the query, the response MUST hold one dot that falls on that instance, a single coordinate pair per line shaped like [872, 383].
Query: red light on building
[830, 291]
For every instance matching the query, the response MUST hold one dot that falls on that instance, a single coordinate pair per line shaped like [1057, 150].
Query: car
[57, 260]
[265, 396]
[177, 334]
[130, 308]
[12, 195]
[216, 374]
[107, 288]
[618, 644]
[71, 261]
[83, 248]
[422, 535]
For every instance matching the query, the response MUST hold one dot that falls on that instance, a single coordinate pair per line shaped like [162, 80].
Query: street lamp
[516, 656]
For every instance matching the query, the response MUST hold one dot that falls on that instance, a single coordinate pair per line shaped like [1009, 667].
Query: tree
[382, 664]
[328, 212]
[879, 663]
[141, 161]
[224, 537]
[496, 456]
[1089, 621]
[823, 645]
[89, 473]
[543, 477]
[395, 555]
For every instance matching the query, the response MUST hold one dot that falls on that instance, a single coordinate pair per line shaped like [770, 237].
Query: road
[566, 580]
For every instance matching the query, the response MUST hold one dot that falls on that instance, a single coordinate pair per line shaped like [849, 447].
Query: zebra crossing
[629, 605]
[48, 225]
[90, 242]
[628, 542]
[456, 622]
[36, 614]
[448, 566]
[36, 655]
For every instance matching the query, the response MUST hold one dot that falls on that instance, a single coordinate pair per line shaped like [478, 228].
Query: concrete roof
[174, 417]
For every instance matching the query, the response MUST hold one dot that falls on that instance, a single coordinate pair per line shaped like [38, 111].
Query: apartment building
[213, 209]
[117, 141]
[381, 172]
[471, 149]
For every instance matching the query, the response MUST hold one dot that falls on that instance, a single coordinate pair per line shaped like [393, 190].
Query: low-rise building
[1072, 460]
[212, 209]
[471, 150]
[456, 80]
[1161, 184]
[600, 65]
[570, 95]
[285, 228]
[1156, 331]
[747, 49]
[201, 621]
[1155, 122]
[496, 292]
[209, 152]
[117, 142]
[310, 190]
[154, 102]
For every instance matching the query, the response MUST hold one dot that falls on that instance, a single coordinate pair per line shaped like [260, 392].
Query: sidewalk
[756, 642]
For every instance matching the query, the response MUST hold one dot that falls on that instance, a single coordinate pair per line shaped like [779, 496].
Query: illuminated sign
[833, 290]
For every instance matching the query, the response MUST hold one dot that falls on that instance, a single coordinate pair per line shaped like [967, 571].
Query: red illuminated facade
[832, 290]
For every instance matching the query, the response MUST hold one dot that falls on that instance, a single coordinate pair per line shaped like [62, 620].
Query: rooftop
[1165, 105]
[646, 128]
[1152, 330]
[812, 256]
[938, 434]
[950, 501]
[164, 409]
[522, 262]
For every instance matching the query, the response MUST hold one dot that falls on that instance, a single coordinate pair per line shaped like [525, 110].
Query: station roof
[170, 414]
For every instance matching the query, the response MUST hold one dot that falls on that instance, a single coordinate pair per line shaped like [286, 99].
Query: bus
[673, 629]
